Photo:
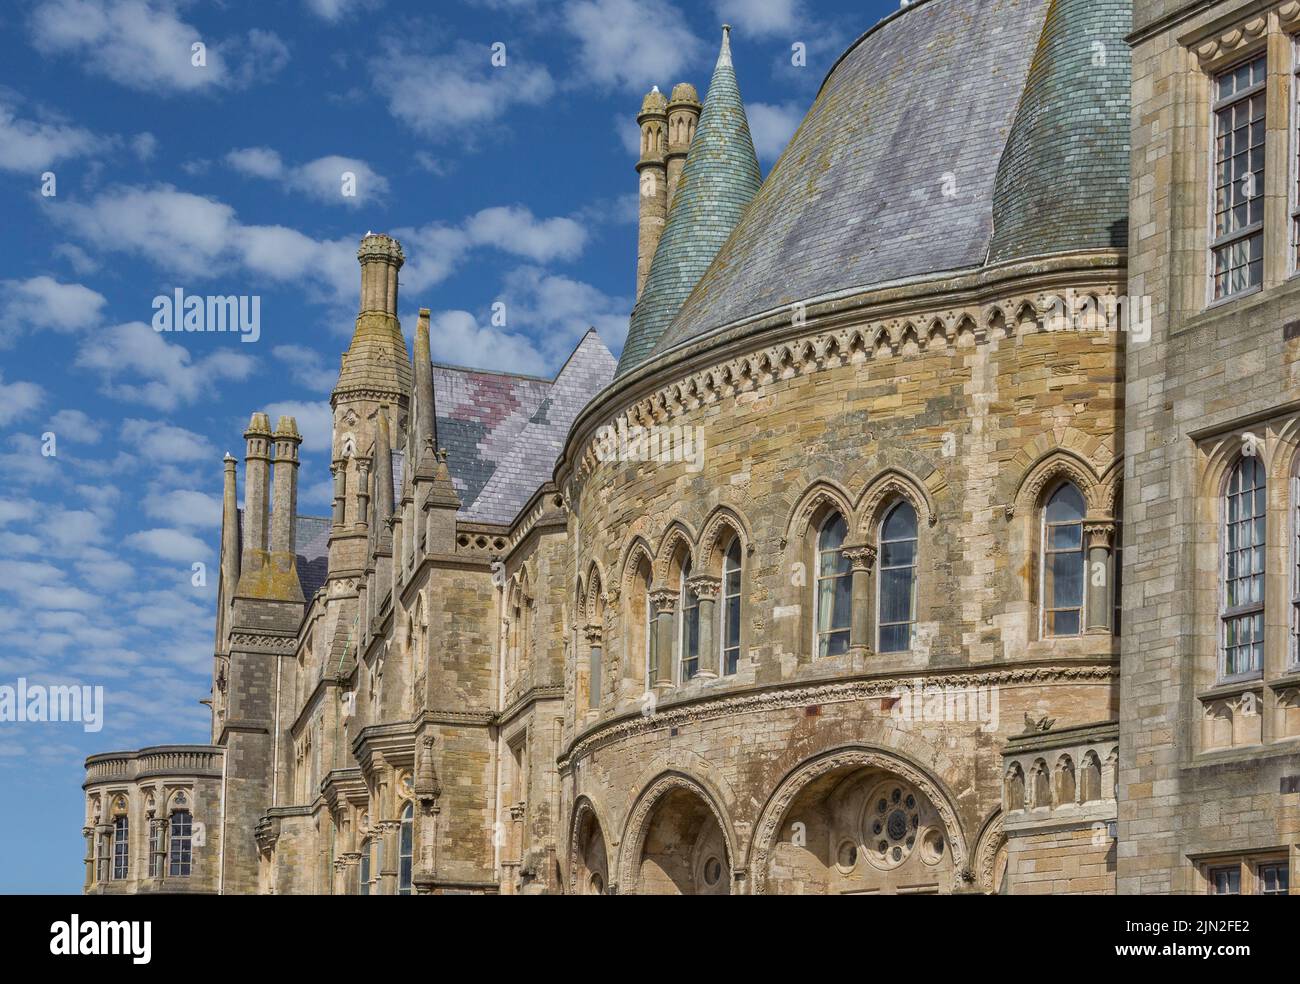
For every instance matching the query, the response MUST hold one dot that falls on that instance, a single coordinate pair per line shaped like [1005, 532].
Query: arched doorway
[590, 871]
[677, 845]
[858, 823]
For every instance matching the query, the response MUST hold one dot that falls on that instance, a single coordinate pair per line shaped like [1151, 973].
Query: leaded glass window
[1063, 562]
[690, 627]
[181, 848]
[897, 597]
[1245, 515]
[1237, 249]
[406, 851]
[731, 608]
[834, 598]
[121, 847]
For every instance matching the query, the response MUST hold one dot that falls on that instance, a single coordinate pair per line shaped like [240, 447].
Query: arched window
[1245, 513]
[897, 586]
[363, 876]
[730, 635]
[121, 847]
[689, 644]
[180, 849]
[406, 851]
[1063, 562]
[833, 599]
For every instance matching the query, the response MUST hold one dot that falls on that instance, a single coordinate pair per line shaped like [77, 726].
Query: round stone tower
[683, 118]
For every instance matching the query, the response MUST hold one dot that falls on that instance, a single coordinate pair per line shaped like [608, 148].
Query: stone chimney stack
[381, 257]
[652, 170]
[257, 467]
[284, 496]
[683, 118]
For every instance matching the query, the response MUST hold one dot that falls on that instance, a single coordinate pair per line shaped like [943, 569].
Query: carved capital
[593, 633]
[663, 599]
[705, 586]
[1099, 533]
[861, 557]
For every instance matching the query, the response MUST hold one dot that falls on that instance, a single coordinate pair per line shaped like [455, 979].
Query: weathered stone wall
[972, 414]
[1202, 765]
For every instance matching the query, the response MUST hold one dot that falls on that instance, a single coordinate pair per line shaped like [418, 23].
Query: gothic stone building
[816, 590]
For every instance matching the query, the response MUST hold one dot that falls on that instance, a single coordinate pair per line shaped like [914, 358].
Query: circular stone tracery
[891, 823]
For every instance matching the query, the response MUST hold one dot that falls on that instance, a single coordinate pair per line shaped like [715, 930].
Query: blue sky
[511, 184]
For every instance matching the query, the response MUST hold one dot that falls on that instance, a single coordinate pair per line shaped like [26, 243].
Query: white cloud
[169, 544]
[762, 18]
[43, 302]
[160, 442]
[334, 11]
[144, 45]
[17, 400]
[315, 423]
[322, 179]
[516, 230]
[184, 507]
[74, 425]
[307, 367]
[31, 147]
[138, 364]
[621, 47]
[559, 310]
[457, 338]
[443, 96]
[772, 126]
[144, 146]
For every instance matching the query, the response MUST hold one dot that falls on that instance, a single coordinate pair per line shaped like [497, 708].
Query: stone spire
[719, 180]
[229, 526]
[383, 474]
[425, 414]
[376, 359]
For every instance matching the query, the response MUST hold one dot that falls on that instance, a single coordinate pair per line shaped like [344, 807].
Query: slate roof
[1064, 178]
[504, 432]
[720, 178]
[311, 538]
[939, 97]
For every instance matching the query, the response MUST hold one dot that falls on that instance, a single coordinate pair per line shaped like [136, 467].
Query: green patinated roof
[1064, 178]
[719, 180]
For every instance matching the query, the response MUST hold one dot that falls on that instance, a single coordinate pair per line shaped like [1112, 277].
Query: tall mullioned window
[121, 847]
[1237, 246]
[1245, 515]
[897, 601]
[181, 852]
[690, 627]
[833, 602]
[1295, 571]
[363, 874]
[1063, 562]
[406, 851]
[731, 608]
[155, 848]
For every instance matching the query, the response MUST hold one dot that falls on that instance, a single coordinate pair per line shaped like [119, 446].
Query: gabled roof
[720, 178]
[504, 432]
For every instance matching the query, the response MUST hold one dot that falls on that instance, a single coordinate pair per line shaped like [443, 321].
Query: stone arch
[1090, 777]
[850, 759]
[723, 523]
[822, 494]
[644, 814]
[588, 850]
[991, 854]
[1049, 470]
[1040, 785]
[882, 492]
[1013, 788]
[1222, 458]
[1064, 781]
[676, 547]
[636, 550]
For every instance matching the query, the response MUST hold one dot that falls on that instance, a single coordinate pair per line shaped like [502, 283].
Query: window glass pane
[121, 847]
[1244, 535]
[181, 857]
[896, 597]
[834, 597]
[1274, 878]
[1063, 562]
[1226, 881]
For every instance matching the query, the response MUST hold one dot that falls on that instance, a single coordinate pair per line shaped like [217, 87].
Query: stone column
[706, 588]
[339, 470]
[665, 607]
[1099, 538]
[863, 559]
[595, 664]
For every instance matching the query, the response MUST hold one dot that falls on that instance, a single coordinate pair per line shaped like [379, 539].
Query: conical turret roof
[720, 178]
